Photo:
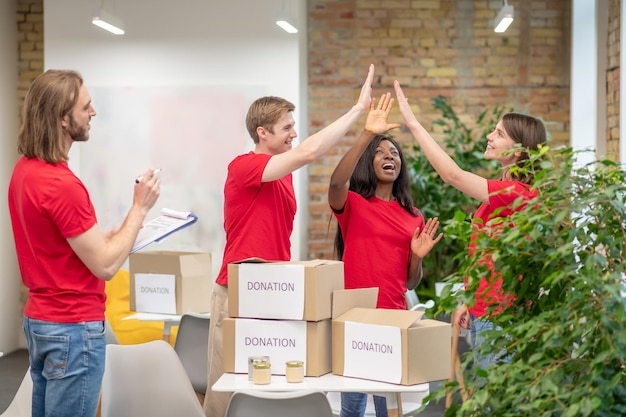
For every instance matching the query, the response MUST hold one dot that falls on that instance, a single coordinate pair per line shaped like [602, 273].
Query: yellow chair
[133, 331]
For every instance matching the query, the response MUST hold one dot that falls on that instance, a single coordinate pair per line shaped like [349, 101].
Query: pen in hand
[155, 172]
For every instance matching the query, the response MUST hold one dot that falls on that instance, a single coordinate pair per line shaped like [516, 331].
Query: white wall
[10, 314]
[587, 95]
[190, 43]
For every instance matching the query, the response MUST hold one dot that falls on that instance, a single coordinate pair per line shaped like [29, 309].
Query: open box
[395, 346]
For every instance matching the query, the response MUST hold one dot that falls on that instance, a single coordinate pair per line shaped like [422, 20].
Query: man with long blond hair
[63, 256]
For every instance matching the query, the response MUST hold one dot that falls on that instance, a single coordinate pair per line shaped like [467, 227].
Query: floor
[14, 365]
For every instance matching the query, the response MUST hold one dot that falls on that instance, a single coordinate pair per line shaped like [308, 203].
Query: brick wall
[30, 58]
[612, 79]
[433, 47]
[30, 44]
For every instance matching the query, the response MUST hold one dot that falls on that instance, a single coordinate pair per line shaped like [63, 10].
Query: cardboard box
[391, 346]
[170, 282]
[281, 340]
[299, 290]
[345, 300]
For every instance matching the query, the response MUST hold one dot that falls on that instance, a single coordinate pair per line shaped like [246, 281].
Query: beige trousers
[215, 403]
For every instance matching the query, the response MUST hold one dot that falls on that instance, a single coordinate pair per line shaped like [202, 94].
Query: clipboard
[170, 221]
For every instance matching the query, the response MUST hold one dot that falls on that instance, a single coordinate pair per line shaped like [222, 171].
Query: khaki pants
[215, 403]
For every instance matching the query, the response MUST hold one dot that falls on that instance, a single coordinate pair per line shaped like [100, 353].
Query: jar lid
[294, 364]
[262, 365]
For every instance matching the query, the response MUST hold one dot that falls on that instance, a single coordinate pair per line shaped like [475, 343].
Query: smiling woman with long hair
[515, 134]
[381, 236]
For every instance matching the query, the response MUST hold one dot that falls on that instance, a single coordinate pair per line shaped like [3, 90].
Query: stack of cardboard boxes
[300, 311]
[281, 310]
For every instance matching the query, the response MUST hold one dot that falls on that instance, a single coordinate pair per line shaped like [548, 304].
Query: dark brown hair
[529, 132]
[363, 181]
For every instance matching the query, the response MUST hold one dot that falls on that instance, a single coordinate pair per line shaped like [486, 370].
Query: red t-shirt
[377, 240]
[258, 217]
[502, 195]
[49, 204]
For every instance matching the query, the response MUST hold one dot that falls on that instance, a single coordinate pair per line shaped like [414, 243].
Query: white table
[229, 382]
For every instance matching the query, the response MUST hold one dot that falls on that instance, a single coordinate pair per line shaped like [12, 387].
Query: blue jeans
[353, 404]
[67, 364]
[478, 328]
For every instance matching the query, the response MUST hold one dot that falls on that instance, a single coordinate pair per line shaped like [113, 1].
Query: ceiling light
[109, 22]
[286, 22]
[504, 18]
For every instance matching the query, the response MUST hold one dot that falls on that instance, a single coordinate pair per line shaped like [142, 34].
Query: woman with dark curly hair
[370, 196]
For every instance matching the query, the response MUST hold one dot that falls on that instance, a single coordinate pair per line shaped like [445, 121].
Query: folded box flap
[344, 300]
[312, 263]
[429, 323]
[251, 261]
[403, 319]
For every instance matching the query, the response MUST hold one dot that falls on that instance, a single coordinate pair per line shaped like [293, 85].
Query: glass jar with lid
[254, 359]
[294, 371]
[262, 373]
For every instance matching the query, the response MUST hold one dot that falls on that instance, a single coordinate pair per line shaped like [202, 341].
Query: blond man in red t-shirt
[260, 204]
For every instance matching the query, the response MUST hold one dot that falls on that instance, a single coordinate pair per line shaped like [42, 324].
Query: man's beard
[77, 133]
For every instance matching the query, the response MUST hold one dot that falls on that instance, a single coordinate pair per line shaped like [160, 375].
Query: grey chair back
[279, 404]
[147, 379]
[192, 347]
[109, 334]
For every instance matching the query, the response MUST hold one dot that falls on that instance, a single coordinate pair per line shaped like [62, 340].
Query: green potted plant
[565, 331]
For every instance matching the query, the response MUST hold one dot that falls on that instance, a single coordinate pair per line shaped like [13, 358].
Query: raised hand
[403, 105]
[365, 98]
[423, 241]
[378, 116]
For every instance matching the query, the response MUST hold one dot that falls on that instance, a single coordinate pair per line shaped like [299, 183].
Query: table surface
[154, 317]
[230, 382]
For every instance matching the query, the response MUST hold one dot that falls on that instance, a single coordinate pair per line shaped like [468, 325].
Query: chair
[21, 405]
[413, 302]
[147, 379]
[411, 402]
[109, 334]
[192, 347]
[279, 404]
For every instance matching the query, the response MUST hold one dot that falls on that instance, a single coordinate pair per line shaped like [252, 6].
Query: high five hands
[365, 97]
[403, 105]
[378, 117]
[423, 241]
